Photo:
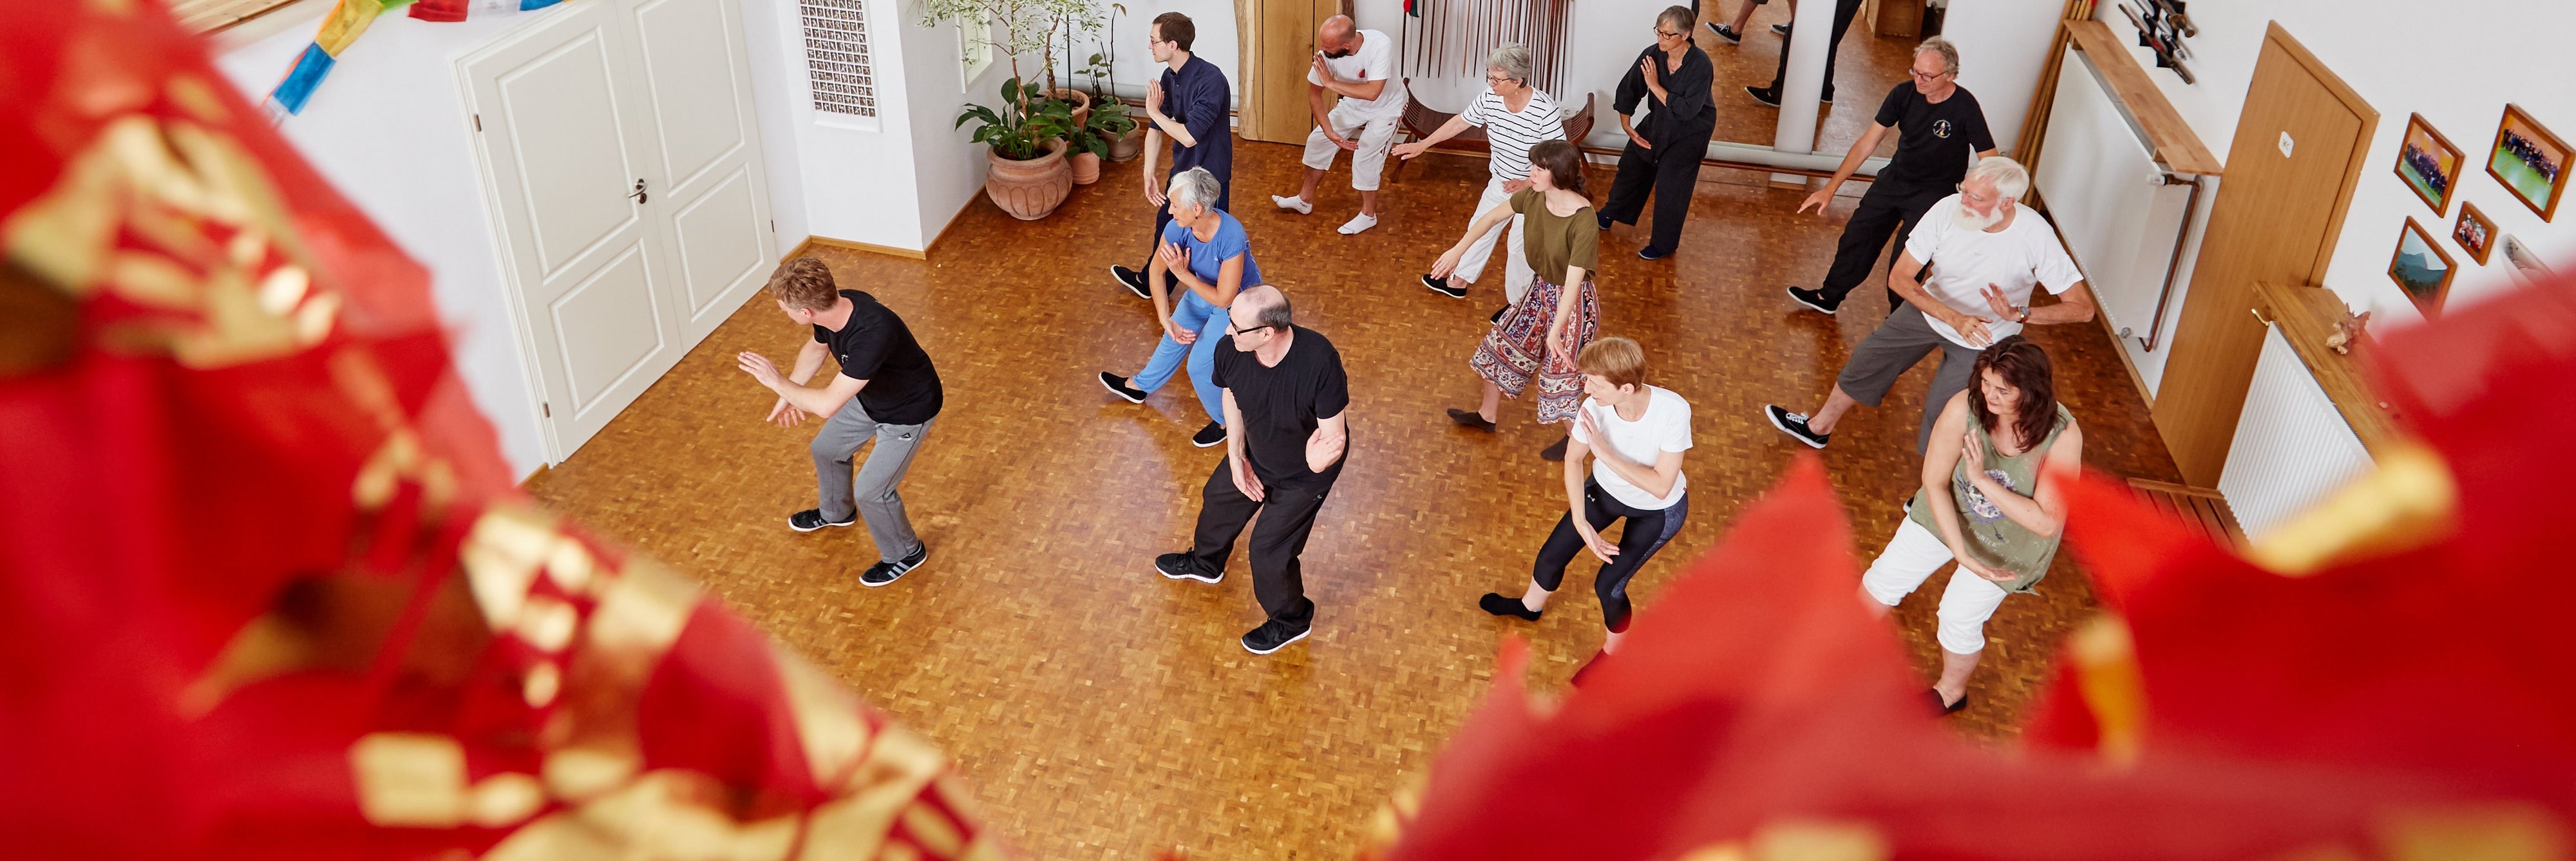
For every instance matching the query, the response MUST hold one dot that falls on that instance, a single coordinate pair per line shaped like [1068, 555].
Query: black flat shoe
[1949, 709]
[1495, 603]
[1555, 451]
[1470, 419]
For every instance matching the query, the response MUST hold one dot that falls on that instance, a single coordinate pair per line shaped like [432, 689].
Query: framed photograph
[2475, 233]
[2421, 269]
[2429, 163]
[2530, 162]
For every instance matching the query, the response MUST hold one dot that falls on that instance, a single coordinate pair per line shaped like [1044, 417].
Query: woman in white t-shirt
[1636, 434]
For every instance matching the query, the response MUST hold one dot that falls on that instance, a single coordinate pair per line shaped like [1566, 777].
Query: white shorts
[1911, 557]
[1375, 138]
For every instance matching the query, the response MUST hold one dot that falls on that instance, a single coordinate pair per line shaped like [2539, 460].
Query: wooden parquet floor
[1105, 712]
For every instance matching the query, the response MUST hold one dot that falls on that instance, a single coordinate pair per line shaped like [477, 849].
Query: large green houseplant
[1029, 177]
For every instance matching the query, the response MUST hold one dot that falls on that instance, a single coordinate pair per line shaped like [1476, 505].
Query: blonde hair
[1617, 360]
[804, 283]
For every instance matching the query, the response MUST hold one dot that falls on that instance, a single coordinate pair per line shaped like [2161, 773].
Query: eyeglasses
[1662, 33]
[1230, 329]
[1499, 79]
[1935, 76]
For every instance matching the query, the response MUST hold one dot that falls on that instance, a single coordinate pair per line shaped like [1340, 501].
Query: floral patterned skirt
[1515, 352]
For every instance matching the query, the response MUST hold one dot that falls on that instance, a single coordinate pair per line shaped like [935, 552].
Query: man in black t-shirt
[1940, 131]
[886, 390]
[1286, 432]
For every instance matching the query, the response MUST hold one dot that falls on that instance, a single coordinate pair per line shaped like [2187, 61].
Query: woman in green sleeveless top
[1982, 504]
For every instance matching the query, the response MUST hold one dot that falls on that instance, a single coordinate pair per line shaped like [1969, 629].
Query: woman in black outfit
[1664, 152]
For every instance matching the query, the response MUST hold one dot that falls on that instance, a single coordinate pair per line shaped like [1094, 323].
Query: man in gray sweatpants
[886, 390]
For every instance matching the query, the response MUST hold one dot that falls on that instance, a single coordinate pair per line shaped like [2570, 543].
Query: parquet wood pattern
[1105, 712]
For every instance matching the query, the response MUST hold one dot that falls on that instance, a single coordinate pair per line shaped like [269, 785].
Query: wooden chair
[1420, 121]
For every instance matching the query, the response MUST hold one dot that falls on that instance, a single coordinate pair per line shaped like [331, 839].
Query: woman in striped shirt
[1515, 116]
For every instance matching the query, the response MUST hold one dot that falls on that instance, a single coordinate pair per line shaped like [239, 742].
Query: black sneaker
[1213, 434]
[1117, 385]
[1179, 566]
[1814, 300]
[1944, 707]
[1649, 253]
[1768, 97]
[1441, 286]
[887, 572]
[1272, 636]
[1795, 424]
[1495, 603]
[1782, 29]
[1555, 451]
[1725, 32]
[1133, 280]
[1498, 314]
[811, 519]
[1470, 419]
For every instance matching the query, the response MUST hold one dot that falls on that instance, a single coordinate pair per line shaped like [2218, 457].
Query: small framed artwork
[2530, 162]
[2429, 163]
[2475, 233]
[2421, 269]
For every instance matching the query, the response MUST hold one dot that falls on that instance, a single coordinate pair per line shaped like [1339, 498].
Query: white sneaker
[1358, 223]
[1297, 203]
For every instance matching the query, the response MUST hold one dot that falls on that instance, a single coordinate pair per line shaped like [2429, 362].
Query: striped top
[1513, 133]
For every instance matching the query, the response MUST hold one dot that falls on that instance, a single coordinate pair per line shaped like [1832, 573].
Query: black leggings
[1646, 533]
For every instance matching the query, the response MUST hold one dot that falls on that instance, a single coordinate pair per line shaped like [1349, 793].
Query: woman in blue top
[1205, 252]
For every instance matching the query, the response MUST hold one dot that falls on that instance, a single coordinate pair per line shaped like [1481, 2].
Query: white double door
[622, 163]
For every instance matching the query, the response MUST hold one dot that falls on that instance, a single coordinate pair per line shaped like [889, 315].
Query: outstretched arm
[1860, 151]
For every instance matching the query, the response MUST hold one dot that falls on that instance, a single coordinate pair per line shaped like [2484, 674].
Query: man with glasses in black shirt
[1286, 431]
[1940, 131]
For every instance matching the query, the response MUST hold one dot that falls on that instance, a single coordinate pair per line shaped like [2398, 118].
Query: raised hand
[759, 367]
[1322, 71]
[1654, 80]
[1154, 99]
[1175, 258]
[1973, 456]
[1997, 299]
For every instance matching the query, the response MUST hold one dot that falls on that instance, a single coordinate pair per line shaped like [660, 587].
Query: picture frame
[2475, 233]
[2529, 161]
[2421, 269]
[2429, 164]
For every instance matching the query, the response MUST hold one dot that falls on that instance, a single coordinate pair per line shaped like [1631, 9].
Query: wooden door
[1277, 40]
[713, 215]
[563, 152]
[2300, 145]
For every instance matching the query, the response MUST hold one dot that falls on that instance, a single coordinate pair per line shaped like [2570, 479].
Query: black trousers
[1885, 210]
[1647, 532]
[1671, 172]
[1287, 517]
[1843, 12]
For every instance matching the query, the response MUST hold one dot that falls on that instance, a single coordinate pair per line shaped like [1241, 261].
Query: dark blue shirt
[1197, 97]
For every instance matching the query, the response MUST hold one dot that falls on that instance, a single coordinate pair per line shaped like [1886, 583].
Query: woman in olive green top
[1538, 337]
[1983, 504]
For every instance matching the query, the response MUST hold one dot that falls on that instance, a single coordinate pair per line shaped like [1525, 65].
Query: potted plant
[1029, 177]
[1083, 150]
[1111, 125]
[1126, 135]
[1026, 27]
[1080, 16]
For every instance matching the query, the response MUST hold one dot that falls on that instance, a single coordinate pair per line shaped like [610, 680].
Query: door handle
[639, 196]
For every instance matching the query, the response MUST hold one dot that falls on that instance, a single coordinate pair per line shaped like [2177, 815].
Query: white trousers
[1909, 559]
[1516, 268]
[1375, 138]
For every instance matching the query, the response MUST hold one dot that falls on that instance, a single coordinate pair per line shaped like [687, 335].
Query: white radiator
[2122, 212]
[2292, 447]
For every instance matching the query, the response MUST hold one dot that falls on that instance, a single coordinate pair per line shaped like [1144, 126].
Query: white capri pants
[1516, 268]
[1911, 557]
[1375, 138]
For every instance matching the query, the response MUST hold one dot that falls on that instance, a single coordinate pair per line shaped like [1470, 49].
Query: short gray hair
[2010, 180]
[1512, 59]
[1196, 187]
[1275, 315]
[1949, 53]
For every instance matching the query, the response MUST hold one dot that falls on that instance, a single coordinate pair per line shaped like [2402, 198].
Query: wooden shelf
[2305, 316]
[2176, 146]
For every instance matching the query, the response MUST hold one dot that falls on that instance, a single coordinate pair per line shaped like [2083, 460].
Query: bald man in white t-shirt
[1987, 256]
[1359, 67]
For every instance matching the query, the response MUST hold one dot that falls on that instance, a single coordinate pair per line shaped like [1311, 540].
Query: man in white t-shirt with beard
[1987, 255]
[1359, 67]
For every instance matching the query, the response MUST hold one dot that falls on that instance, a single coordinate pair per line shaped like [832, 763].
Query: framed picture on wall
[2421, 269]
[2530, 162]
[2429, 163]
[2475, 233]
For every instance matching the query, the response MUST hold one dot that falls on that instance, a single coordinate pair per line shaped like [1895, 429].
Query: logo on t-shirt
[1941, 129]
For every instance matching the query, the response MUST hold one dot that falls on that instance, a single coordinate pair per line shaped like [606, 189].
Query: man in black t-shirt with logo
[1940, 131]
[1286, 432]
[886, 390]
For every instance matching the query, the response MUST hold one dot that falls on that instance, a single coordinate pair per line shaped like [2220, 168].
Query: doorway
[622, 166]
[2300, 144]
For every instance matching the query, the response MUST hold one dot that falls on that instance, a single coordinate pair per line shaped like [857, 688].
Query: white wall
[389, 129]
[2003, 46]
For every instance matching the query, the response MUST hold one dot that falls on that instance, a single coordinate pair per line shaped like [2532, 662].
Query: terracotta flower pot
[1081, 104]
[1031, 189]
[1086, 168]
[1128, 146]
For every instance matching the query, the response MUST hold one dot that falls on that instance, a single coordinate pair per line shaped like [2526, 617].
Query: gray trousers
[1894, 349]
[872, 490]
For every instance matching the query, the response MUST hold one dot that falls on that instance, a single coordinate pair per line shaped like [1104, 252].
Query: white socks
[1358, 223]
[1296, 203]
[1300, 206]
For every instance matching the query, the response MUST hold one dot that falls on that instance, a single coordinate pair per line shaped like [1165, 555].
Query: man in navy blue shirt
[1191, 105]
